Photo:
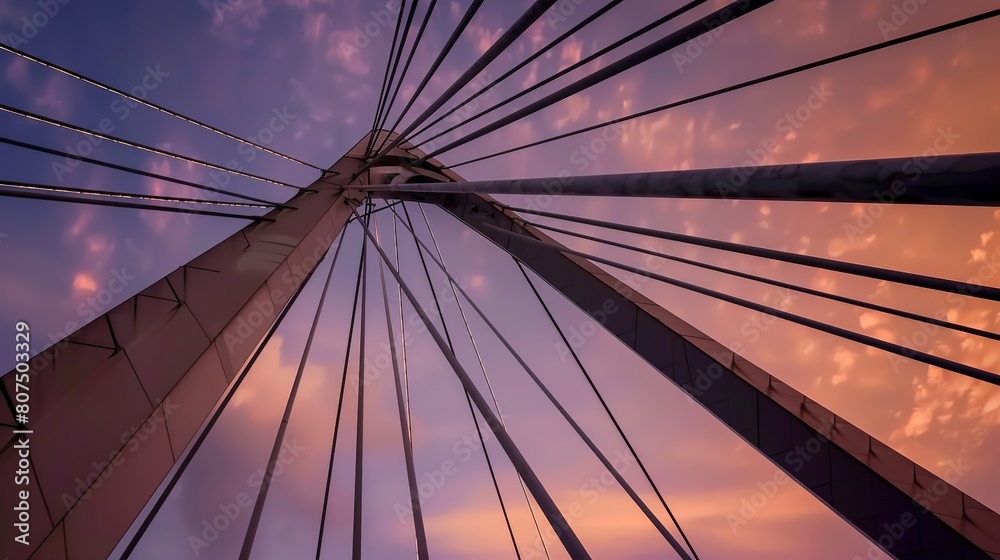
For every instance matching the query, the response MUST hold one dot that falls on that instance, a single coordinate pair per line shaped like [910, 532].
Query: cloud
[483, 37]
[158, 221]
[575, 107]
[84, 217]
[84, 282]
[318, 110]
[572, 52]
[17, 73]
[55, 100]
[535, 35]
[845, 360]
[342, 49]
[248, 13]
[314, 28]
[532, 76]
[99, 244]
[871, 319]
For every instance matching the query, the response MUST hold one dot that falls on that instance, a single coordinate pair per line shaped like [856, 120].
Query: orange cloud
[84, 282]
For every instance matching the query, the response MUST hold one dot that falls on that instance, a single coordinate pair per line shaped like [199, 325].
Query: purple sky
[237, 68]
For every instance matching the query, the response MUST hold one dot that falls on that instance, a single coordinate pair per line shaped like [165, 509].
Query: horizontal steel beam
[961, 180]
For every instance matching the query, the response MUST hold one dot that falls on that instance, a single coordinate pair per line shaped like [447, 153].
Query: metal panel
[192, 399]
[165, 350]
[77, 438]
[95, 525]
[88, 400]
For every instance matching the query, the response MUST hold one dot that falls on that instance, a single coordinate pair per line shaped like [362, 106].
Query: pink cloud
[84, 217]
[318, 110]
[55, 98]
[247, 12]
[158, 221]
[483, 37]
[342, 50]
[17, 73]
[575, 108]
[314, 27]
[572, 52]
[84, 282]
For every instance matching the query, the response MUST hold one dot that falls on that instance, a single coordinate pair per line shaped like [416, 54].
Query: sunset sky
[236, 64]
